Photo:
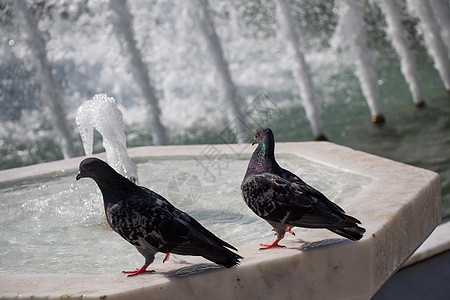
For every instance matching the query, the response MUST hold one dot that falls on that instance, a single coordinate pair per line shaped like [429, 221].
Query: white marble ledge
[399, 209]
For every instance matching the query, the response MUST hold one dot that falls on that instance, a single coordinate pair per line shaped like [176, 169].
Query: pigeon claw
[289, 229]
[137, 272]
[273, 245]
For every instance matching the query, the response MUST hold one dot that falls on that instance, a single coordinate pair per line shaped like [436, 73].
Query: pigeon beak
[79, 175]
[254, 141]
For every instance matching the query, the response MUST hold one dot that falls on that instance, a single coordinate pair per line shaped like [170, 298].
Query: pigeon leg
[289, 229]
[166, 258]
[273, 245]
[137, 272]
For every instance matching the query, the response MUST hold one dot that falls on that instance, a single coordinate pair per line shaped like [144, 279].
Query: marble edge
[308, 151]
[118, 285]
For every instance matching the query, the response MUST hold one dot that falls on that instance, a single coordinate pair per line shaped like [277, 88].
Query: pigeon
[286, 201]
[150, 223]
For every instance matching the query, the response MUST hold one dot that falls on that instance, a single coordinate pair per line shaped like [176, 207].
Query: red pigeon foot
[273, 245]
[137, 272]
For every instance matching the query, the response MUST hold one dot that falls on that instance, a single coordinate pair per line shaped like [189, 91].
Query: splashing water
[401, 44]
[51, 93]
[432, 38]
[85, 57]
[350, 31]
[227, 89]
[102, 114]
[300, 68]
[441, 11]
[123, 29]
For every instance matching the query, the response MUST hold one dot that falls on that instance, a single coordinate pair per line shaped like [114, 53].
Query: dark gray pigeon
[150, 222]
[285, 201]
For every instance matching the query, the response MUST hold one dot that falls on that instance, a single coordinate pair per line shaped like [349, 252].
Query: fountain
[67, 230]
[51, 94]
[102, 114]
[351, 32]
[432, 38]
[122, 22]
[398, 204]
[91, 62]
[301, 70]
[401, 44]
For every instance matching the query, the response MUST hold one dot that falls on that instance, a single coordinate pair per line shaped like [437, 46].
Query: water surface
[57, 224]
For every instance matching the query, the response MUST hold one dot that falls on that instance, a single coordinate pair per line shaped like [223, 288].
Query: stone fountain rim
[64, 166]
[373, 218]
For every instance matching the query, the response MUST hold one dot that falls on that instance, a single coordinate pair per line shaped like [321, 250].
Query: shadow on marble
[306, 246]
[192, 270]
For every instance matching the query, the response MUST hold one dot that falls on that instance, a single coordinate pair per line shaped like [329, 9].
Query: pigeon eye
[85, 168]
[257, 134]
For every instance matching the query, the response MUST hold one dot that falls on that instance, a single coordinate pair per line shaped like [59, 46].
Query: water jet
[300, 68]
[122, 22]
[401, 44]
[432, 37]
[51, 92]
[352, 34]
[101, 113]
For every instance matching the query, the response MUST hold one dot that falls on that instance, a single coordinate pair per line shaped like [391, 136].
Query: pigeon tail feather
[212, 251]
[230, 259]
[352, 233]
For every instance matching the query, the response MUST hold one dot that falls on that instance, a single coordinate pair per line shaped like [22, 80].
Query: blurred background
[187, 72]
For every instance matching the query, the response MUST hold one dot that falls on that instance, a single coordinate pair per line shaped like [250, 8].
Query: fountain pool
[395, 202]
[57, 225]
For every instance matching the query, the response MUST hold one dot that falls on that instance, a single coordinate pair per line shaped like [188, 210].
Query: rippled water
[57, 224]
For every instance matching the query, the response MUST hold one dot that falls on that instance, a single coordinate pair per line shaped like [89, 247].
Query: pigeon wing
[291, 177]
[148, 221]
[161, 225]
[269, 197]
[278, 200]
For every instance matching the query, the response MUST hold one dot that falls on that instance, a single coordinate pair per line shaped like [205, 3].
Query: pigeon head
[264, 136]
[113, 186]
[263, 158]
[94, 168]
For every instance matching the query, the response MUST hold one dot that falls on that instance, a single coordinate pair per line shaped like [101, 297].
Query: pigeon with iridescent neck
[150, 223]
[285, 201]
